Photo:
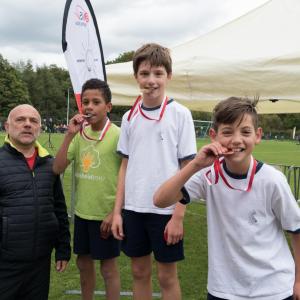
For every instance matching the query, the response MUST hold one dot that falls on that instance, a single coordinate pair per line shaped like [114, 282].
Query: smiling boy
[91, 141]
[157, 138]
[249, 205]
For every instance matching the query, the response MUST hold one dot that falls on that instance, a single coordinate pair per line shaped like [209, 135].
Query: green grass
[193, 270]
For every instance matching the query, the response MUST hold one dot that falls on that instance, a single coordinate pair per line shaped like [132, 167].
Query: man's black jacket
[33, 214]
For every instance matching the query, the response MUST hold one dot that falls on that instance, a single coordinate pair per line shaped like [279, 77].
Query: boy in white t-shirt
[249, 205]
[157, 137]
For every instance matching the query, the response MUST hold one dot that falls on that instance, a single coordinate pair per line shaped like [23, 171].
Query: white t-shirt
[248, 253]
[154, 149]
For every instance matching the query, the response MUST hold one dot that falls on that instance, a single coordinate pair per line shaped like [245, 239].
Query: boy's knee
[166, 279]
[109, 270]
[140, 273]
[84, 263]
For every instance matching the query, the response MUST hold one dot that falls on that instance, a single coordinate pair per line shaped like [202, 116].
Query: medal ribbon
[101, 135]
[137, 108]
[216, 172]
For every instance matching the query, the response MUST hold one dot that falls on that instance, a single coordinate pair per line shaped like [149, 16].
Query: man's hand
[61, 265]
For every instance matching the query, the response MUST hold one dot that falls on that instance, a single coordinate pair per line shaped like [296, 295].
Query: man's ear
[212, 134]
[6, 125]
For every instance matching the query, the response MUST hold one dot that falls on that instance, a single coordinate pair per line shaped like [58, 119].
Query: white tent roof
[256, 54]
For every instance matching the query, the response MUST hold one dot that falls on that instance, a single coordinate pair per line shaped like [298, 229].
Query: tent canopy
[257, 54]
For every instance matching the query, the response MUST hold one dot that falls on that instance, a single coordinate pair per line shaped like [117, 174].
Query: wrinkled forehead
[26, 111]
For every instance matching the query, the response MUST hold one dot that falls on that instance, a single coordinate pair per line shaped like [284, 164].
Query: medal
[101, 135]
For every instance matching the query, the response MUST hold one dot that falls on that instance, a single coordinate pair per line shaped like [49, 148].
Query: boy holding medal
[249, 205]
[91, 141]
[157, 137]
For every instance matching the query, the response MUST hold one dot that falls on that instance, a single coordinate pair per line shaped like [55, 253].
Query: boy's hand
[208, 153]
[105, 227]
[174, 231]
[75, 124]
[117, 227]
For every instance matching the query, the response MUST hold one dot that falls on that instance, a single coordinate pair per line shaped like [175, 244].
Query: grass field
[193, 270]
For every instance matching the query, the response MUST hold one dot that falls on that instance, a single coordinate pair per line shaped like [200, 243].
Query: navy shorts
[87, 240]
[144, 233]
[211, 297]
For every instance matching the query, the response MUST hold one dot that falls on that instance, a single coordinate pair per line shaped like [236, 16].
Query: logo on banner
[82, 16]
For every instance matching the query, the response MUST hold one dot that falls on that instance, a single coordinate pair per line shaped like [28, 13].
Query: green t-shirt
[96, 170]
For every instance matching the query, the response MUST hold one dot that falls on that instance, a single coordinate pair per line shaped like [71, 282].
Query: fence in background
[292, 174]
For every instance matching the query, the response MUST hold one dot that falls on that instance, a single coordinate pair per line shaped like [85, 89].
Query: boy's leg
[86, 268]
[168, 281]
[141, 272]
[110, 273]
[84, 260]
[166, 256]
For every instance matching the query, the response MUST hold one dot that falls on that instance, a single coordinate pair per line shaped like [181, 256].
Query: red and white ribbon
[213, 175]
[102, 132]
[137, 108]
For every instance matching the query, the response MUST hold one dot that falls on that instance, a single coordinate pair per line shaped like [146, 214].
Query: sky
[31, 29]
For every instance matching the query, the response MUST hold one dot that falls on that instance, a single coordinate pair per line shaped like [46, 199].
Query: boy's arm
[117, 223]
[295, 242]
[61, 161]
[170, 191]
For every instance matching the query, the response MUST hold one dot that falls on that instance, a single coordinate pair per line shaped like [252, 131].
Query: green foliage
[13, 90]
[46, 88]
[124, 57]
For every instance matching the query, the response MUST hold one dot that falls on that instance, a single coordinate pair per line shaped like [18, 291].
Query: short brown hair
[232, 109]
[155, 54]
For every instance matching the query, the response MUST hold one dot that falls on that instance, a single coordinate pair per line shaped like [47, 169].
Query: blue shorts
[144, 233]
[87, 240]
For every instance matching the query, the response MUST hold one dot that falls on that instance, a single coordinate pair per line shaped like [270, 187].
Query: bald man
[33, 214]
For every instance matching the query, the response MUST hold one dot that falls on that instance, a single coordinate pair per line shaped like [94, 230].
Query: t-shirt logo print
[252, 218]
[90, 158]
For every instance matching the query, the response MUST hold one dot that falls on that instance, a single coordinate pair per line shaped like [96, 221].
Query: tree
[13, 90]
[124, 57]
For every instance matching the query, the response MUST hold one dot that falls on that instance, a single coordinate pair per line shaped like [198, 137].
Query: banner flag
[81, 45]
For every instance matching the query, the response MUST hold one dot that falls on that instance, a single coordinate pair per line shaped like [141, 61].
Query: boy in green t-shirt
[91, 142]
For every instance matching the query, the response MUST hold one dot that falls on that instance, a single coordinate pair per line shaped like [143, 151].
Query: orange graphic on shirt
[89, 159]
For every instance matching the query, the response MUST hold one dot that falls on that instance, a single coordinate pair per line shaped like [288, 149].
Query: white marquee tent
[256, 54]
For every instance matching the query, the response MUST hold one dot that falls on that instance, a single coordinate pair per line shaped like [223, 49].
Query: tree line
[47, 88]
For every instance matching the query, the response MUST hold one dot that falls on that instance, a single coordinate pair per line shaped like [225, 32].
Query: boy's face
[152, 81]
[93, 104]
[240, 138]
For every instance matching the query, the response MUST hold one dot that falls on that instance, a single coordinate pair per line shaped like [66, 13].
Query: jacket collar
[42, 152]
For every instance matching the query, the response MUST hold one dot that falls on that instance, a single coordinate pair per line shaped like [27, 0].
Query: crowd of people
[132, 187]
